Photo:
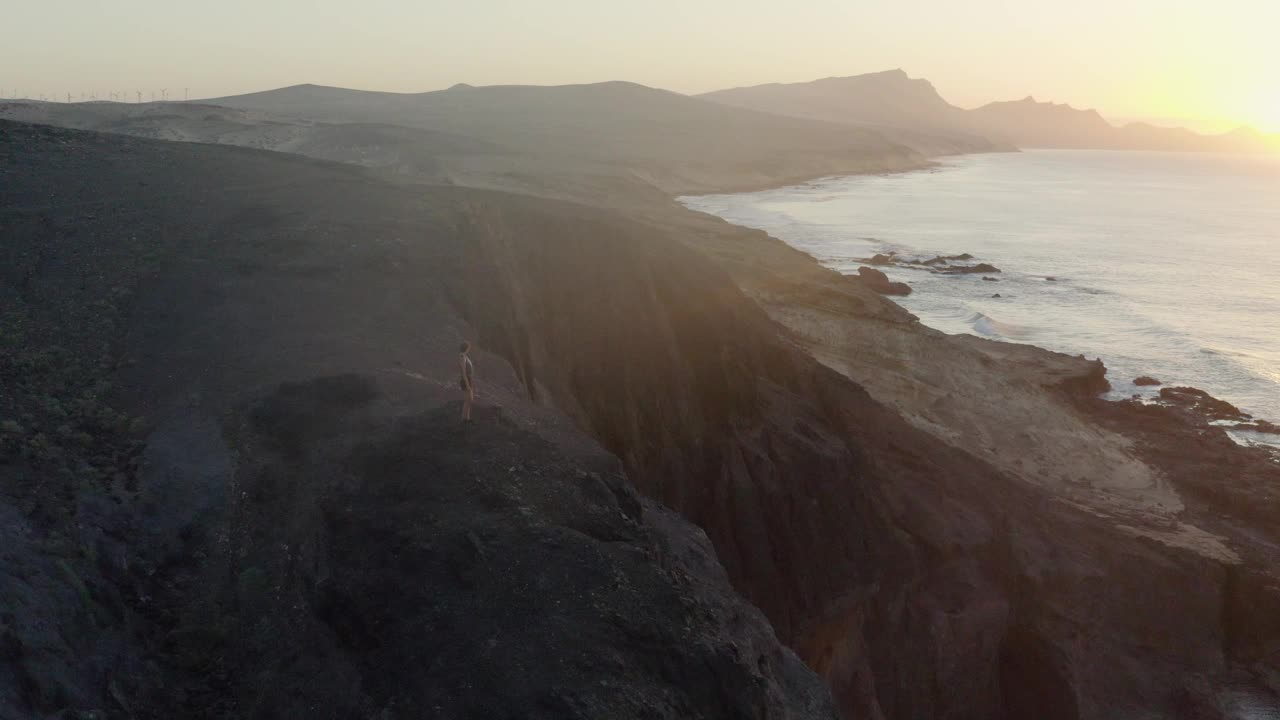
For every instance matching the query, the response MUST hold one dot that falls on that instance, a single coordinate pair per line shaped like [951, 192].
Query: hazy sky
[1211, 64]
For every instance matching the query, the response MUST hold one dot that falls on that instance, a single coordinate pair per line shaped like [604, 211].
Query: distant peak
[894, 74]
[306, 87]
[621, 84]
[462, 86]
[895, 78]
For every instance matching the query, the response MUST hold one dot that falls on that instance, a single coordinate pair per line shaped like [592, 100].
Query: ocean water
[1160, 264]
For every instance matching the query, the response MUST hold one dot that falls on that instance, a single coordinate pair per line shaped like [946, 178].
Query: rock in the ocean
[1266, 426]
[880, 282]
[881, 259]
[990, 279]
[1146, 380]
[970, 269]
[1199, 402]
[944, 259]
[1262, 426]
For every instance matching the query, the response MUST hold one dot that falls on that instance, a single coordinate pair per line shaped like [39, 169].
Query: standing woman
[467, 380]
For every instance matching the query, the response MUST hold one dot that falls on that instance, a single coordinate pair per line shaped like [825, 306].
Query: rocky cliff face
[925, 573]
[391, 565]
[233, 482]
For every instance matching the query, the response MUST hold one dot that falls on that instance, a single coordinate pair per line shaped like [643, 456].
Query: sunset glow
[1269, 115]
[1208, 65]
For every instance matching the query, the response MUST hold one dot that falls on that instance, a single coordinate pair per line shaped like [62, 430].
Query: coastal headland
[231, 369]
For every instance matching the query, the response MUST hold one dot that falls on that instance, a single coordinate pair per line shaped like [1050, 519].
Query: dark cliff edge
[234, 482]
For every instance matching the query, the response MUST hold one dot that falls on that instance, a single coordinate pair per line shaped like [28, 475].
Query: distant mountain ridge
[620, 121]
[673, 141]
[900, 99]
[619, 134]
[1031, 123]
[893, 100]
[908, 109]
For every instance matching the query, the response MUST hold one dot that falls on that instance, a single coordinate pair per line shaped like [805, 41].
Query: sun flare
[1269, 119]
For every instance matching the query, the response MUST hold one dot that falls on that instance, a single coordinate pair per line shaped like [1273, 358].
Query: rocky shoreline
[1197, 404]
[1066, 484]
[1142, 470]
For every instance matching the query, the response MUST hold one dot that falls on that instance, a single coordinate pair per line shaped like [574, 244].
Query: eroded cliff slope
[1053, 567]
[234, 483]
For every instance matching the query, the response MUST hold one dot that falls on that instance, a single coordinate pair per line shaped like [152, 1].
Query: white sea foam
[990, 327]
[1162, 264]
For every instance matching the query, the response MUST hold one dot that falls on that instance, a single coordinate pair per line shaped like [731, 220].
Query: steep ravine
[921, 580]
